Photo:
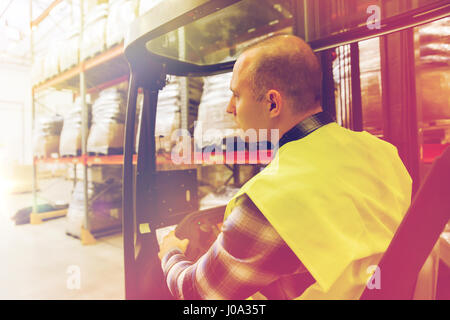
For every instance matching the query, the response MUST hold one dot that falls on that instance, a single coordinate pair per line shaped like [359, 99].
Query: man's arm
[247, 256]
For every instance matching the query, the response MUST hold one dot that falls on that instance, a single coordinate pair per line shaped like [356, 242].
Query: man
[315, 221]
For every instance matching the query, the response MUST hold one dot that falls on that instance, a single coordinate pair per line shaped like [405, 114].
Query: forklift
[200, 38]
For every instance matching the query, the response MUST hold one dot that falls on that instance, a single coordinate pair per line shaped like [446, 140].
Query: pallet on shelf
[89, 238]
[86, 237]
[40, 217]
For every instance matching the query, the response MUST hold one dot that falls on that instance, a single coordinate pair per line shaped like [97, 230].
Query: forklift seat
[403, 266]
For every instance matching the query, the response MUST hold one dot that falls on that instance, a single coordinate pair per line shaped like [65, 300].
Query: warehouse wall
[15, 114]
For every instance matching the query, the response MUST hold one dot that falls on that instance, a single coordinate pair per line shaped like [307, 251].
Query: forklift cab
[184, 39]
[199, 38]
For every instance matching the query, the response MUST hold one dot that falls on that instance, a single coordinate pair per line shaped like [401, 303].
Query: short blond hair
[294, 70]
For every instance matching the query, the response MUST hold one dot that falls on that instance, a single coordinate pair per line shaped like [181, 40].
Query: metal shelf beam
[164, 160]
[44, 14]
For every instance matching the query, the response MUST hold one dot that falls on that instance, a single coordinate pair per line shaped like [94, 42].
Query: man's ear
[274, 100]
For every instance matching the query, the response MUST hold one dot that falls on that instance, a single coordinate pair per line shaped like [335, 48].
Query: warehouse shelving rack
[92, 75]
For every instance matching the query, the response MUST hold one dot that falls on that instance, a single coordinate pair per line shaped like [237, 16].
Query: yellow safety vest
[336, 197]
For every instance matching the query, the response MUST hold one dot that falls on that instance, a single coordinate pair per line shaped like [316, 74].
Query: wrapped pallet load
[121, 14]
[214, 124]
[51, 60]
[70, 50]
[50, 43]
[168, 117]
[433, 74]
[47, 135]
[370, 78]
[95, 31]
[70, 141]
[434, 43]
[168, 112]
[106, 135]
[104, 202]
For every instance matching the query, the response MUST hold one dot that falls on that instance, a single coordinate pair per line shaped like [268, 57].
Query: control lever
[201, 228]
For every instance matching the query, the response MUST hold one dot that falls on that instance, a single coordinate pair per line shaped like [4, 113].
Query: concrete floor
[42, 262]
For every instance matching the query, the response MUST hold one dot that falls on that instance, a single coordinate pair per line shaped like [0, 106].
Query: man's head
[276, 83]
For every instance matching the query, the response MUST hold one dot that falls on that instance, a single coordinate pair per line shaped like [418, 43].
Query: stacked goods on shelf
[168, 112]
[433, 74]
[46, 138]
[121, 14]
[70, 50]
[106, 135]
[168, 117]
[104, 202]
[434, 39]
[370, 77]
[433, 84]
[69, 53]
[214, 124]
[70, 141]
[47, 40]
[51, 60]
[94, 31]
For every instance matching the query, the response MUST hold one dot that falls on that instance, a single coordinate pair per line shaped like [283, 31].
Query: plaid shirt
[248, 256]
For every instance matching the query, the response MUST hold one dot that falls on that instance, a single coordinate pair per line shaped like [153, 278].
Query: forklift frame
[141, 217]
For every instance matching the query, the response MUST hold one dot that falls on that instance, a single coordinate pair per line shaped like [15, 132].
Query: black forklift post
[128, 205]
[137, 244]
[147, 205]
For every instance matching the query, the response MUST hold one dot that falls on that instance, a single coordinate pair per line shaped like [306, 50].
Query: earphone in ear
[273, 106]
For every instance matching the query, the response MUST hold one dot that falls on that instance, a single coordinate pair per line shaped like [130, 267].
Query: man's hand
[170, 242]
